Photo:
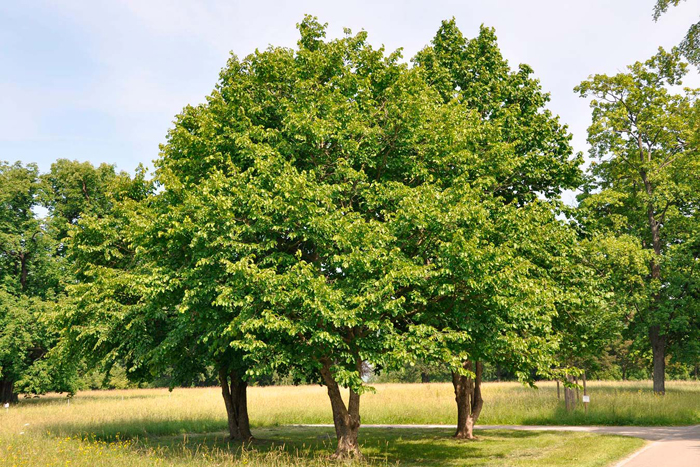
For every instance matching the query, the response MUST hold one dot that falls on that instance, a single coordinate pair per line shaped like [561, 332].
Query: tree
[272, 223]
[690, 46]
[29, 284]
[73, 189]
[100, 319]
[517, 152]
[645, 187]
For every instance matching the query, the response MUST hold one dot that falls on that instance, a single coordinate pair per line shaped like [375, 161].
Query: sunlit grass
[305, 446]
[186, 426]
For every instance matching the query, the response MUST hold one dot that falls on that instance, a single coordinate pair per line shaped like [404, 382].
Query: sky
[101, 81]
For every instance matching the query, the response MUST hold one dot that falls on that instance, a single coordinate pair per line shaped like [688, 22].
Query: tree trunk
[658, 341]
[345, 419]
[658, 348]
[424, 377]
[569, 395]
[558, 391]
[7, 393]
[23, 271]
[236, 400]
[469, 400]
[585, 392]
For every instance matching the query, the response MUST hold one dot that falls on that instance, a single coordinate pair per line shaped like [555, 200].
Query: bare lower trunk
[658, 341]
[558, 391]
[658, 348]
[345, 419]
[585, 392]
[569, 397]
[469, 400]
[7, 393]
[236, 400]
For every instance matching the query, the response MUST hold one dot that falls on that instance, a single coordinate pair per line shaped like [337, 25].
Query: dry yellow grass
[151, 426]
[158, 411]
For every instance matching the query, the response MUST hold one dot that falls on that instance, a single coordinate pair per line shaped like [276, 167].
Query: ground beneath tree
[677, 446]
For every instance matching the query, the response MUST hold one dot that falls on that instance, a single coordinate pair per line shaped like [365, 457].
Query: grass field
[154, 426]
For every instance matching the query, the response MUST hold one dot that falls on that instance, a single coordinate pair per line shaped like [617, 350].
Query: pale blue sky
[102, 80]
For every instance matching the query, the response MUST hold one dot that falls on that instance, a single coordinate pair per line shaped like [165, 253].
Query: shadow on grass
[183, 441]
[379, 445]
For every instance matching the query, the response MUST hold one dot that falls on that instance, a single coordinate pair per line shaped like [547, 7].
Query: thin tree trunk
[236, 401]
[585, 392]
[658, 341]
[23, 271]
[558, 391]
[469, 399]
[658, 348]
[7, 393]
[345, 419]
[569, 395]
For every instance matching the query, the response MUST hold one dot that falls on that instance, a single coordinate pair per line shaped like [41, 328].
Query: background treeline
[332, 215]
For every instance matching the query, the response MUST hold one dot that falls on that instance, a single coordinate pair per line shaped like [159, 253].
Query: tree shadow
[380, 445]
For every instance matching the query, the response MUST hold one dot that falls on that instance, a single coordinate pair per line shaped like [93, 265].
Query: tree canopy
[644, 190]
[690, 46]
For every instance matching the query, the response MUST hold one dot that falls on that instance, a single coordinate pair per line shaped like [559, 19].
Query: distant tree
[102, 325]
[644, 191]
[690, 46]
[71, 190]
[30, 283]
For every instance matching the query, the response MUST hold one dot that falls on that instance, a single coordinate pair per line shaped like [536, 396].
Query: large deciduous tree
[645, 186]
[503, 292]
[272, 221]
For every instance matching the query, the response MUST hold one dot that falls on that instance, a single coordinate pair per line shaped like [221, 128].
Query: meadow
[187, 426]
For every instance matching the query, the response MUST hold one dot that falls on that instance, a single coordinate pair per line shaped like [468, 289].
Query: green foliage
[100, 321]
[272, 231]
[332, 206]
[72, 189]
[29, 284]
[690, 46]
[507, 271]
[524, 150]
